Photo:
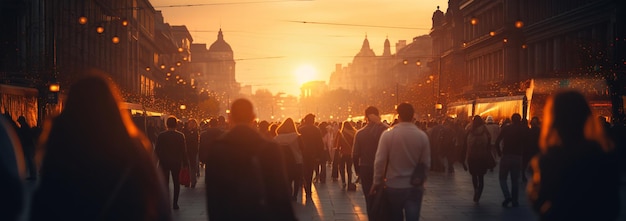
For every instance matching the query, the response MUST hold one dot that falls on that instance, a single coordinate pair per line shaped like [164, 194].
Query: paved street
[448, 197]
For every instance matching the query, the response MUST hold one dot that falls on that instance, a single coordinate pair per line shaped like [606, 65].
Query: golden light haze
[270, 46]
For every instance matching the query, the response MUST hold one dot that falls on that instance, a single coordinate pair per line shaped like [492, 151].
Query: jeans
[406, 202]
[175, 171]
[510, 164]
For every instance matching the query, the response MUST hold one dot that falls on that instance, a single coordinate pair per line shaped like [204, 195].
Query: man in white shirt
[402, 147]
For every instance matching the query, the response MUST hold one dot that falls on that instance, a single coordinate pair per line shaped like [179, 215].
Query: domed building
[363, 68]
[216, 67]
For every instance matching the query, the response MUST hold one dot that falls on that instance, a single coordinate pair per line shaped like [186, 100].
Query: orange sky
[269, 47]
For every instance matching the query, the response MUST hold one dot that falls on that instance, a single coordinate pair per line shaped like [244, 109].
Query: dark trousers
[366, 173]
[175, 171]
[510, 164]
[322, 171]
[308, 168]
[478, 181]
[295, 178]
[345, 168]
[405, 203]
[335, 166]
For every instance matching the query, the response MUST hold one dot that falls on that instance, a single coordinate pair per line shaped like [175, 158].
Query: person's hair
[213, 122]
[477, 121]
[371, 110]
[322, 127]
[272, 129]
[264, 126]
[346, 125]
[288, 126]
[193, 122]
[568, 119]
[242, 111]
[516, 118]
[405, 112]
[171, 122]
[309, 119]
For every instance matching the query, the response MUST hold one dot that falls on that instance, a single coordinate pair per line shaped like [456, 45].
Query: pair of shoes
[515, 204]
[475, 197]
[176, 206]
[506, 202]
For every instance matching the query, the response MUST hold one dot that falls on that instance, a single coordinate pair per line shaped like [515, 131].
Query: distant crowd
[91, 162]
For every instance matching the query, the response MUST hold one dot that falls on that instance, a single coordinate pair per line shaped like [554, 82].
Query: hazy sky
[273, 51]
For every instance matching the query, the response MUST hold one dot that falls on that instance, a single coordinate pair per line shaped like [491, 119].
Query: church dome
[220, 45]
[365, 49]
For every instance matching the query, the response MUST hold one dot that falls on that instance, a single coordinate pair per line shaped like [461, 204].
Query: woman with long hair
[97, 164]
[344, 143]
[575, 175]
[291, 144]
[478, 154]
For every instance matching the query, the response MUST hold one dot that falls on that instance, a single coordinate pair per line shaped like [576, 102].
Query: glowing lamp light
[405, 62]
[147, 68]
[82, 20]
[492, 33]
[178, 63]
[162, 66]
[418, 63]
[180, 49]
[54, 87]
[438, 106]
[185, 58]
[168, 74]
[519, 24]
[99, 29]
[524, 46]
[474, 21]
[124, 23]
[227, 111]
[177, 77]
[183, 107]
[172, 69]
[505, 40]
[115, 39]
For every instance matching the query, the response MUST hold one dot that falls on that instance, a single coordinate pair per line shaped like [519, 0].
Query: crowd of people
[105, 168]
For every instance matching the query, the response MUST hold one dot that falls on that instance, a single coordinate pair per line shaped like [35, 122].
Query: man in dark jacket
[364, 151]
[514, 138]
[171, 151]
[249, 170]
[312, 151]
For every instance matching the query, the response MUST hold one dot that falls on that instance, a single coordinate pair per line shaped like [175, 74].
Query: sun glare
[305, 73]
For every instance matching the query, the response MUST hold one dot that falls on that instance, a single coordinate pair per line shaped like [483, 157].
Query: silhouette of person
[192, 137]
[97, 163]
[172, 153]
[515, 138]
[11, 171]
[249, 170]
[364, 151]
[344, 143]
[312, 151]
[478, 153]
[575, 176]
[291, 143]
[401, 149]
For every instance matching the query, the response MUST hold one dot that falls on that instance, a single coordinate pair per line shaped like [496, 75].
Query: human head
[264, 126]
[242, 111]
[489, 120]
[569, 119]
[516, 118]
[477, 121]
[309, 119]
[534, 122]
[213, 122]
[288, 126]
[192, 123]
[405, 112]
[171, 122]
[346, 125]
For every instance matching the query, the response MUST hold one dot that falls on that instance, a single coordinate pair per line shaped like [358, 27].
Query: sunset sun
[305, 73]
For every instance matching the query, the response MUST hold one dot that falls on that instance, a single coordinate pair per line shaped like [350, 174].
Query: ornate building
[215, 69]
[510, 55]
